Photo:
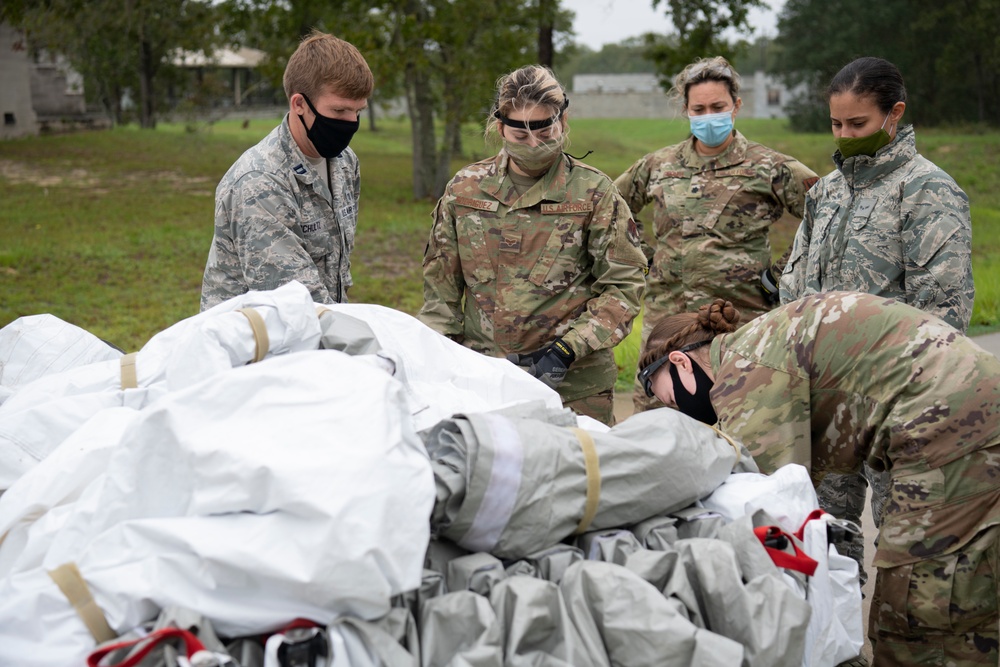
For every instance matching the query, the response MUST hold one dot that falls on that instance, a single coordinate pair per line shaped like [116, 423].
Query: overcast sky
[600, 22]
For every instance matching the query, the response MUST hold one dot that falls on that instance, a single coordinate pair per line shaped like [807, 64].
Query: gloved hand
[768, 286]
[548, 364]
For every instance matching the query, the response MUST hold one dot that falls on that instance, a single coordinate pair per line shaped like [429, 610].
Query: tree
[947, 51]
[700, 25]
[117, 46]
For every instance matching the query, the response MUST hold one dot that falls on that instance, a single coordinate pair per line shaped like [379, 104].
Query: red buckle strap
[812, 516]
[799, 561]
[191, 643]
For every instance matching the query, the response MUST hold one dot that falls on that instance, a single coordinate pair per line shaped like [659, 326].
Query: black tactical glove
[768, 286]
[549, 364]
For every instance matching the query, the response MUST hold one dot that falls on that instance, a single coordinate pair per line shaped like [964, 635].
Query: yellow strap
[320, 310]
[593, 467]
[259, 333]
[732, 442]
[129, 378]
[71, 583]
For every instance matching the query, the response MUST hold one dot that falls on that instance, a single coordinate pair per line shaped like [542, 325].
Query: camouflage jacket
[893, 225]
[711, 220]
[505, 273]
[838, 378]
[276, 221]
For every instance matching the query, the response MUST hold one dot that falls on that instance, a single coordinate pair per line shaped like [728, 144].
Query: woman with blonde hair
[715, 196]
[533, 255]
[838, 379]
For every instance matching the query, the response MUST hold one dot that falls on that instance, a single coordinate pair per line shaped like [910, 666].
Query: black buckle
[302, 647]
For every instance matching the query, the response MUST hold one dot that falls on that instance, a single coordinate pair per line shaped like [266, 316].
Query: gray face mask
[535, 160]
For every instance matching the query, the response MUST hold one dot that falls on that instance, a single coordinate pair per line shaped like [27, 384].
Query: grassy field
[109, 230]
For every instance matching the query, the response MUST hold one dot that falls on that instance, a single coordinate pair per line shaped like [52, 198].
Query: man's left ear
[738, 105]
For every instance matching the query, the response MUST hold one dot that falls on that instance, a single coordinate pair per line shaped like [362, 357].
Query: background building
[640, 96]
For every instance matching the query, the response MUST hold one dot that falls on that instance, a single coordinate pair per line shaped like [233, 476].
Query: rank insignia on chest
[510, 242]
[478, 204]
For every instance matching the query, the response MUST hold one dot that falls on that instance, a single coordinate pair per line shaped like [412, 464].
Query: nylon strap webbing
[129, 378]
[735, 445]
[259, 333]
[71, 583]
[592, 465]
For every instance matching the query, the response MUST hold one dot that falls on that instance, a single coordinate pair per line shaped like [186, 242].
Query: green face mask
[851, 146]
[535, 160]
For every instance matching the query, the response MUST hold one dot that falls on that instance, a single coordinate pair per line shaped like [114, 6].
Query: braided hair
[676, 331]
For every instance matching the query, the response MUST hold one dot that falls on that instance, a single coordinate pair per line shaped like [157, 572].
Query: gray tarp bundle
[511, 485]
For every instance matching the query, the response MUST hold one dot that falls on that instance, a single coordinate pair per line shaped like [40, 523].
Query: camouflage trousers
[939, 611]
[843, 496]
[600, 406]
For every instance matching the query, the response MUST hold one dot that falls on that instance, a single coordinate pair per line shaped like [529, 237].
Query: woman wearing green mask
[715, 196]
[887, 221]
[533, 255]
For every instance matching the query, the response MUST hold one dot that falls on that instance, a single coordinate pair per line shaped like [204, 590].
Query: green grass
[109, 230]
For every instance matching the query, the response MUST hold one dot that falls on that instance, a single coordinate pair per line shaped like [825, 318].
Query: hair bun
[719, 317]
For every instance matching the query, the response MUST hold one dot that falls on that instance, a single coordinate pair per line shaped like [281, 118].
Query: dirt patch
[20, 173]
[23, 173]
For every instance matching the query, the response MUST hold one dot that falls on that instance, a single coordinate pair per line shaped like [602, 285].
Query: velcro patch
[673, 174]
[809, 182]
[510, 242]
[479, 204]
[568, 207]
[737, 171]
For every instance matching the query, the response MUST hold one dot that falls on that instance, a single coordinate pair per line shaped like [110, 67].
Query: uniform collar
[735, 153]
[552, 186]
[863, 170]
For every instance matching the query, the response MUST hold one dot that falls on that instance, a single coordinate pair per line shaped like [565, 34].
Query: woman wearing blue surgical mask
[715, 197]
[886, 221]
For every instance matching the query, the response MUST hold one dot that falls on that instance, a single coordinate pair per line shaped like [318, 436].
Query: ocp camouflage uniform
[836, 379]
[276, 221]
[711, 222]
[893, 225]
[504, 273]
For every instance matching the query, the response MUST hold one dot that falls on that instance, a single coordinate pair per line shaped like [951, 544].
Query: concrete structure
[641, 96]
[234, 66]
[19, 117]
[39, 91]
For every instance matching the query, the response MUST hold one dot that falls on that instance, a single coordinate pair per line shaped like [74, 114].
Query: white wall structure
[640, 96]
[18, 115]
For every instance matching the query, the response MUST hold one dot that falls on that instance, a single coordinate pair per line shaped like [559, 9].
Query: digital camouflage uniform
[276, 221]
[893, 225]
[504, 273]
[839, 378]
[711, 220]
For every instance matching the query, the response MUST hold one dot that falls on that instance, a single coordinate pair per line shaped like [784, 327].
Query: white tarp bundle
[440, 376]
[38, 345]
[835, 631]
[254, 497]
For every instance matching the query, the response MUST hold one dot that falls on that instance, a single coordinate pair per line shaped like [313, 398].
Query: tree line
[443, 56]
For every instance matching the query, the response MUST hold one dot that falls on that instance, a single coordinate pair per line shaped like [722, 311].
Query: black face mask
[697, 405]
[329, 135]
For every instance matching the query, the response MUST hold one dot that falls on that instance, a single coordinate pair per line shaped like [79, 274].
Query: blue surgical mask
[712, 129]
